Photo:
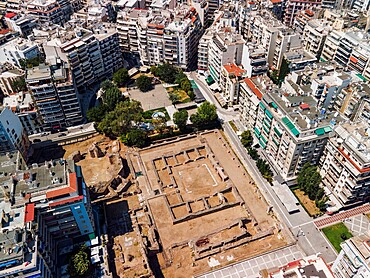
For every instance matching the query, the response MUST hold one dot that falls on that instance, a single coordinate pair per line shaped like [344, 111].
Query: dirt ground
[307, 203]
[177, 260]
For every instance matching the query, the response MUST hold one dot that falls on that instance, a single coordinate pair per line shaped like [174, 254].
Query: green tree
[246, 139]
[159, 124]
[121, 77]
[96, 114]
[79, 263]
[206, 115]
[174, 98]
[185, 85]
[284, 70]
[253, 153]
[191, 94]
[19, 84]
[167, 73]
[144, 83]
[135, 137]
[180, 118]
[309, 180]
[30, 63]
[264, 169]
[106, 84]
[122, 119]
[111, 97]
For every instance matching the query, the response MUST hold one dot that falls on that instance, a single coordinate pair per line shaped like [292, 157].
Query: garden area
[121, 117]
[306, 202]
[337, 234]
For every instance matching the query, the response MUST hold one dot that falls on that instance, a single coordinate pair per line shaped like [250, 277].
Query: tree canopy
[166, 72]
[121, 77]
[246, 139]
[206, 115]
[309, 180]
[111, 97]
[79, 263]
[135, 137]
[180, 118]
[144, 83]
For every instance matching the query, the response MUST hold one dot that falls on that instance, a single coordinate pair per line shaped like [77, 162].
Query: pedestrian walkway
[358, 224]
[342, 216]
[251, 268]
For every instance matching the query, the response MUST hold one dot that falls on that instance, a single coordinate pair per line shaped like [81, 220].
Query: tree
[180, 118]
[246, 139]
[309, 180]
[144, 83]
[253, 153]
[284, 70]
[79, 263]
[96, 114]
[185, 85]
[135, 137]
[30, 63]
[121, 77]
[206, 115]
[159, 124]
[166, 73]
[19, 84]
[121, 120]
[264, 169]
[174, 98]
[106, 84]
[111, 97]
[191, 94]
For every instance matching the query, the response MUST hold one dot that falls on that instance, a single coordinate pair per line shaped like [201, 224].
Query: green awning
[320, 131]
[322, 60]
[276, 143]
[277, 132]
[295, 132]
[263, 145]
[274, 105]
[291, 126]
[263, 139]
[327, 129]
[359, 75]
[193, 84]
[256, 130]
[210, 80]
[267, 123]
[266, 129]
[262, 106]
[268, 114]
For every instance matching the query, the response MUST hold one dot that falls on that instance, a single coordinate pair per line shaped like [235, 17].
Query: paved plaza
[251, 268]
[358, 224]
[154, 99]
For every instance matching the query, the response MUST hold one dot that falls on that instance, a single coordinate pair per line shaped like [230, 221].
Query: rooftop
[234, 69]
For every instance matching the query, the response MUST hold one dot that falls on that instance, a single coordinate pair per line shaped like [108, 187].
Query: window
[81, 216]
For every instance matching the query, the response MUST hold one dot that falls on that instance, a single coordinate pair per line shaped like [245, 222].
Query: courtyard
[154, 99]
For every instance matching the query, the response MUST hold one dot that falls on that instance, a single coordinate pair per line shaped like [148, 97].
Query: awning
[359, 75]
[215, 87]
[273, 104]
[256, 130]
[277, 132]
[210, 80]
[320, 131]
[268, 114]
[262, 106]
[327, 129]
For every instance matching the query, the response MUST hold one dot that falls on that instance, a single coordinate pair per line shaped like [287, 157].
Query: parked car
[36, 140]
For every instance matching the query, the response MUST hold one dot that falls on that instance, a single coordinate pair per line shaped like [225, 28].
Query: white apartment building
[314, 35]
[12, 134]
[54, 93]
[354, 258]
[293, 7]
[46, 11]
[254, 59]
[17, 49]
[24, 24]
[298, 59]
[23, 106]
[225, 47]
[171, 36]
[286, 40]
[203, 49]
[345, 165]
[230, 79]
[92, 56]
[349, 49]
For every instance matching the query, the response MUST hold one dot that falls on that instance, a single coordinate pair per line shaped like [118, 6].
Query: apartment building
[203, 49]
[24, 24]
[354, 102]
[301, 20]
[13, 136]
[354, 258]
[16, 49]
[345, 164]
[254, 59]
[225, 47]
[323, 81]
[23, 106]
[49, 209]
[230, 79]
[250, 95]
[202, 7]
[299, 59]
[54, 93]
[46, 11]
[171, 36]
[293, 7]
[314, 36]
[286, 40]
[91, 55]
[8, 79]
[127, 29]
[349, 49]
